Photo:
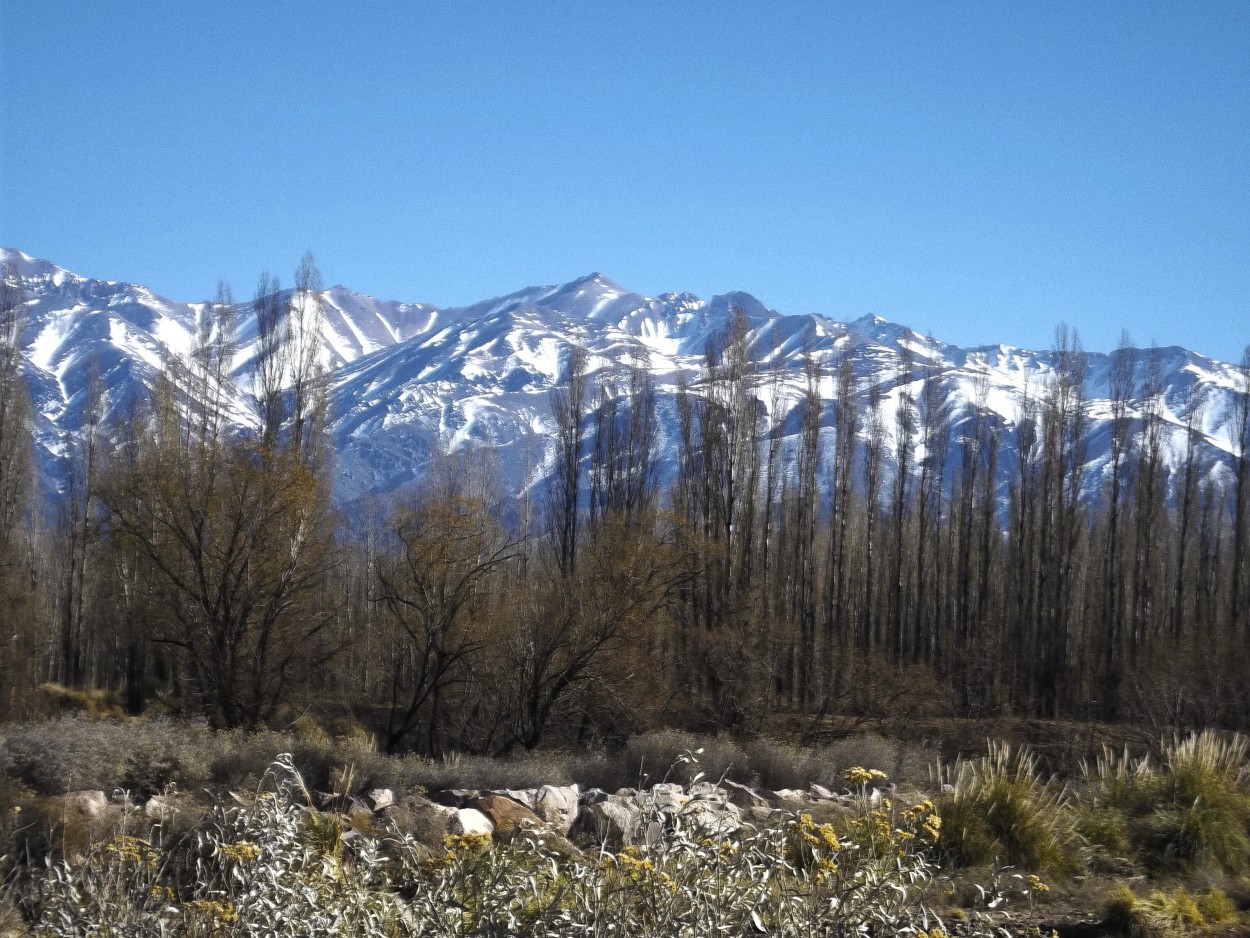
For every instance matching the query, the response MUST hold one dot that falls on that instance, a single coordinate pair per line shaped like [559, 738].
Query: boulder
[742, 796]
[470, 821]
[788, 799]
[423, 820]
[829, 812]
[592, 796]
[90, 804]
[158, 808]
[525, 796]
[359, 816]
[455, 797]
[707, 818]
[612, 823]
[551, 841]
[761, 816]
[665, 797]
[379, 798]
[557, 806]
[506, 816]
[653, 835]
[706, 791]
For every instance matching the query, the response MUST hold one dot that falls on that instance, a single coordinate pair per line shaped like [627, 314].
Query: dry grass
[1003, 811]
[1170, 913]
[1189, 808]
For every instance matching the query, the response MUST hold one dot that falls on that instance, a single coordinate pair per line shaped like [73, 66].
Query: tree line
[869, 559]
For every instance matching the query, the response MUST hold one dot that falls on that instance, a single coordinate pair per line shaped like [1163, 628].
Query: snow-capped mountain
[409, 380]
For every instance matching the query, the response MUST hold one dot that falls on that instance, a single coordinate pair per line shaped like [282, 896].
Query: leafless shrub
[654, 757]
[778, 764]
[71, 754]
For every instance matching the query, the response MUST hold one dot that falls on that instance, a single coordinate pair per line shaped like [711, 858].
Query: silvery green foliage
[277, 867]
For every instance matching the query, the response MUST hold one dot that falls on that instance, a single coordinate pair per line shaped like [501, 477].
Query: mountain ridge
[410, 379]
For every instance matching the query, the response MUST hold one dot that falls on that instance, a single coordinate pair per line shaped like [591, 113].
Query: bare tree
[904, 430]
[874, 452]
[448, 546]
[305, 319]
[16, 588]
[234, 542]
[1240, 622]
[272, 357]
[1063, 462]
[568, 401]
[1149, 486]
[934, 429]
[1187, 495]
[1112, 639]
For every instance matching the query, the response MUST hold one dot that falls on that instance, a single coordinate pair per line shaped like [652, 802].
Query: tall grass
[1002, 810]
[1190, 807]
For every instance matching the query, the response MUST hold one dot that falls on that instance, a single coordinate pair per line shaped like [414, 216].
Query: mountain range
[411, 379]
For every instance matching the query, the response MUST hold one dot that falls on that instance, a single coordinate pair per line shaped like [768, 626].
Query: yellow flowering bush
[125, 850]
[857, 776]
[244, 851]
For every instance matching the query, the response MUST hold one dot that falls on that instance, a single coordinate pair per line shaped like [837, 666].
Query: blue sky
[980, 171]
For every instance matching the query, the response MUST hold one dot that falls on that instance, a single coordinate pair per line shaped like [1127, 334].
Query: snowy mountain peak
[408, 379]
[32, 268]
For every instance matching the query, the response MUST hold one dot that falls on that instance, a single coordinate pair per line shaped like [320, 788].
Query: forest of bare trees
[871, 563]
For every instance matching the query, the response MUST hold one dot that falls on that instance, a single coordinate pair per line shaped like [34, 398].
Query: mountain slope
[409, 380]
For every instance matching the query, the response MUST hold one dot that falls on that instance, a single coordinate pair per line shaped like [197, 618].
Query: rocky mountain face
[411, 380]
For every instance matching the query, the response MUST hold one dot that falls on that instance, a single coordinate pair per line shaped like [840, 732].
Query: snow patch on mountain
[411, 380]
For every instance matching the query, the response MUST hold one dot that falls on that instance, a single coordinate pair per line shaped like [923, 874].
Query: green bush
[1001, 810]
[1190, 809]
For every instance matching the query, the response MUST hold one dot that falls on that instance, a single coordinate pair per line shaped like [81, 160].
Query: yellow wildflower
[858, 775]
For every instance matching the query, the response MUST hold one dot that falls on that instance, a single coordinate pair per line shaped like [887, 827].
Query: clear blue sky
[981, 171]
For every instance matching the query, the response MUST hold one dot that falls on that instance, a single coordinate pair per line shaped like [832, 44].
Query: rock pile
[595, 818]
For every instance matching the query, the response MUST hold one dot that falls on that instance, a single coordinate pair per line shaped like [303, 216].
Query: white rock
[87, 803]
[557, 805]
[707, 791]
[709, 819]
[787, 798]
[470, 821]
[157, 808]
[666, 796]
[614, 823]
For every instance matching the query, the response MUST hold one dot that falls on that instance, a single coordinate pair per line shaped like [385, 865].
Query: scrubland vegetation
[245, 840]
[278, 866]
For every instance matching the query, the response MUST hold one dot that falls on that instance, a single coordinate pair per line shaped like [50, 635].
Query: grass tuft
[1003, 811]
[1190, 809]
